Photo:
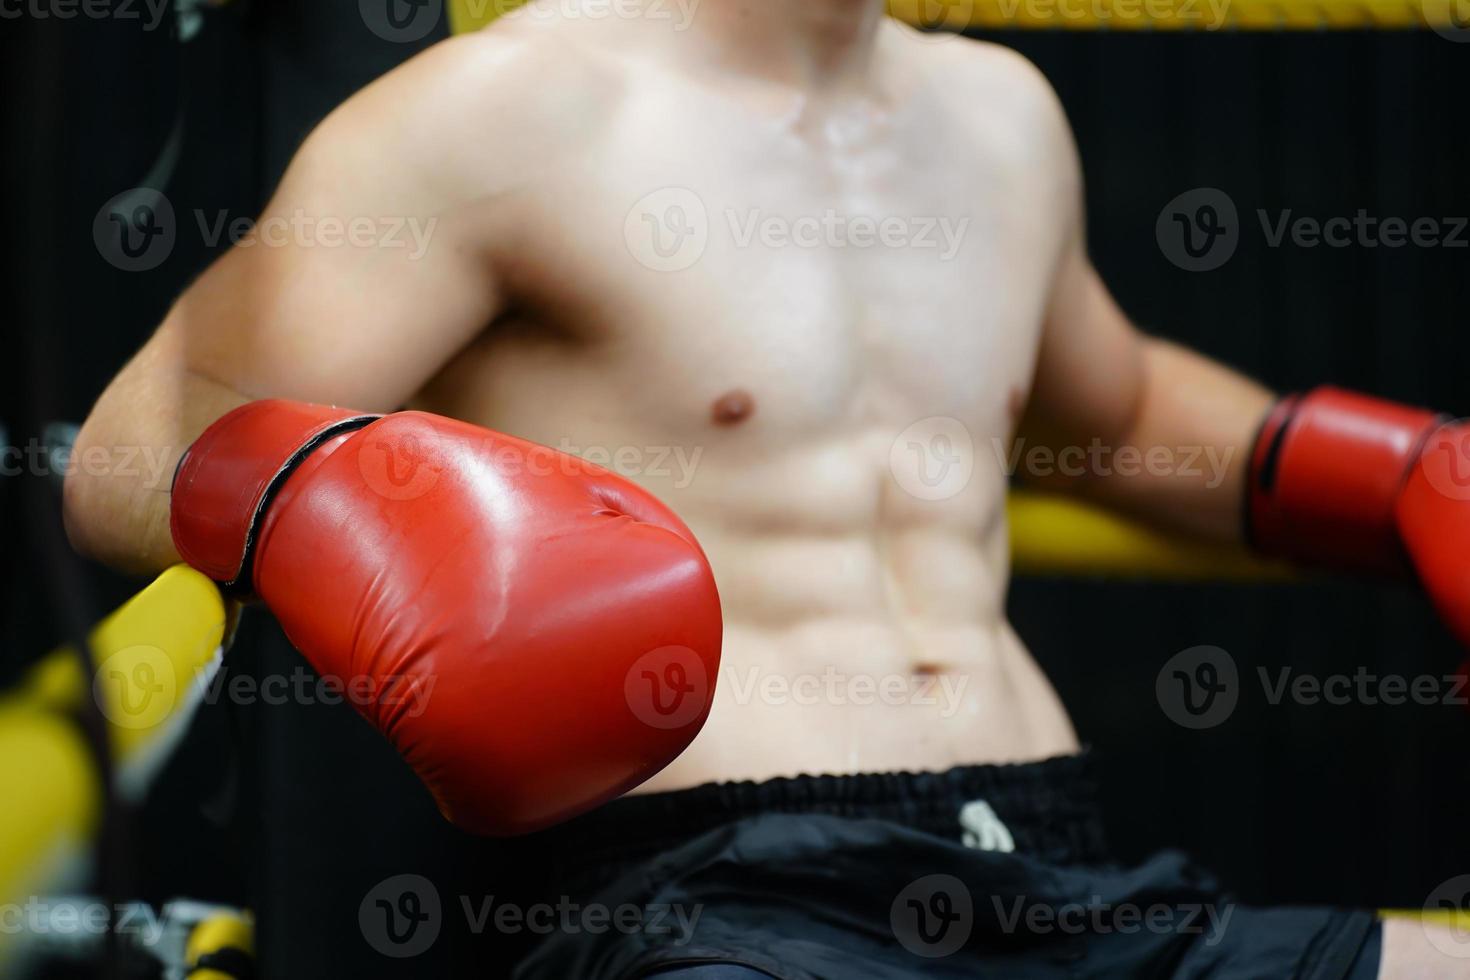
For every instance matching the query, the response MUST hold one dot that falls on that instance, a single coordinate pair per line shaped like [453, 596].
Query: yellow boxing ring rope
[1054, 535]
[1127, 15]
[152, 658]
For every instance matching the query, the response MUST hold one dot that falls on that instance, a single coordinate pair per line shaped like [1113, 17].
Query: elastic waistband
[1048, 808]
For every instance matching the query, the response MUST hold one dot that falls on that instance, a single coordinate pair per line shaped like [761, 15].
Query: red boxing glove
[539, 634]
[1357, 483]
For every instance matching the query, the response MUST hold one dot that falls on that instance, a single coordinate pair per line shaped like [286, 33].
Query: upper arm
[1090, 366]
[1098, 377]
[373, 263]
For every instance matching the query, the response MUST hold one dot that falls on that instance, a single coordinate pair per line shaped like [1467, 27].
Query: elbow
[99, 528]
[101, 513]
[78, 508]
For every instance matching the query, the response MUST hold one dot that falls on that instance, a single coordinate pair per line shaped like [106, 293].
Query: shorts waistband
[1049, 809]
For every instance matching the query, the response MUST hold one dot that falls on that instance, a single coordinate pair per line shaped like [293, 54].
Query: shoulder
[996, 86]
[1004, 105]
[1009, 121]
[516, 59]
[496, 103]
[974, 58]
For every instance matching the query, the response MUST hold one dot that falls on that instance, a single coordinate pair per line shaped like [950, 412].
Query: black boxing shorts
[978, 871]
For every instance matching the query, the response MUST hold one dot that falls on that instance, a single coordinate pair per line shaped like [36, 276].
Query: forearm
[1179, 457]
[117, 489]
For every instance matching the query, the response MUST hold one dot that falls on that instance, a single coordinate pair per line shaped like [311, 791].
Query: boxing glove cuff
[1325, 475]
[227, 478]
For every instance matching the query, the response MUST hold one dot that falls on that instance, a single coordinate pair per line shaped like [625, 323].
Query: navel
[732, 408]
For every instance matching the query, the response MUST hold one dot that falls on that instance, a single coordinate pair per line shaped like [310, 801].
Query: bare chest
[795, 277]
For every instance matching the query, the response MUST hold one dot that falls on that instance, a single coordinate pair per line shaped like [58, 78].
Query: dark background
[297, 812]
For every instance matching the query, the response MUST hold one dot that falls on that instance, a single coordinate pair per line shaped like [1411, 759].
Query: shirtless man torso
[761, 389]
[799, 288]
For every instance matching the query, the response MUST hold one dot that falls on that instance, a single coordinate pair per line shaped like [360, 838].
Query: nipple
[732, 408]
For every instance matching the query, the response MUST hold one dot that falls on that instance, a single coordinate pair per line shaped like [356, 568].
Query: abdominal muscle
[852, 679]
